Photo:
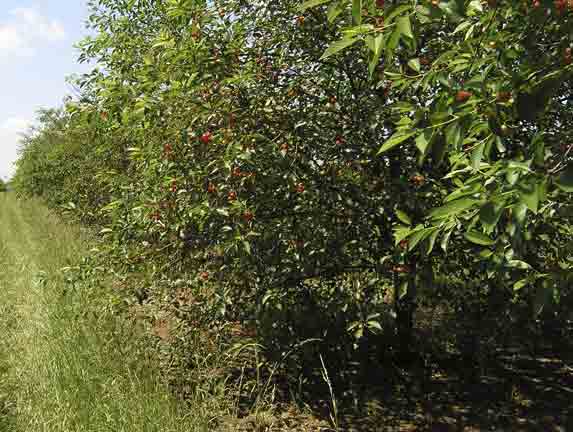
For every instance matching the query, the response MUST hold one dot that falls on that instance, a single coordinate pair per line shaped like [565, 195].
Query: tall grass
[67, 363]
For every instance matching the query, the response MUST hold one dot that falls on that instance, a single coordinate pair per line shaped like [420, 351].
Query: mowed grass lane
[66, 364]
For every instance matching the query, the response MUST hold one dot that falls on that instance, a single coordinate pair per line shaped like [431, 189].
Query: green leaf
[401, 232]
[405, 27]
[446, 240]
[357, 12]
[529, 194]
[418, 236]
[565, 181]
[519, 211]
[520, 284]
[489, 215]
[376, 45]
[454, 135]
[414, 64]
[538, 144]
[478, 238]
[402, 290]
[396, 11]
[485, 253]
[432, 241]
[374, 325]
[423, 141]
[394, 140]
[312, 3]
[518, 264]
[477, 155]
[403, 217]
[337, 46]
[453, 208]
[334, 10]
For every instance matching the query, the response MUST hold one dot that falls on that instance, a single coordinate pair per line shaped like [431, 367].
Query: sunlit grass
[66, 362]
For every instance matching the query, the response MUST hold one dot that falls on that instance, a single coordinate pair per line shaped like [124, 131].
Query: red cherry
[403, 244]
[300, 187]
[204, 275]
[248, 216]
[206, 137]
[232, 196]
[340, 140]
[380, 4]
[567, 56]
[211, 188]
[418, 180]
[236, 172]
[401, 269]
[503, 96]
[463, 95]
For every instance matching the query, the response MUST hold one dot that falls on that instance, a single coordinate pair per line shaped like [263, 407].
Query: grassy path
[65, 363]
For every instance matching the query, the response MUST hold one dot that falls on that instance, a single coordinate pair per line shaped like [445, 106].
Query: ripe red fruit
[560, 5]
[418, 180]
[206, 137]
[424, 61]
[284, 147]
[463, 95]
[297, 244]
[403, 244]
[232, 196]
[380, 4]
[204, 275]
[503, 96]
[401, 269]
[567, 55]
[340, 140]
[300, 187]
[248, 216]
[236, 172]
[167, 150]
[211, 188]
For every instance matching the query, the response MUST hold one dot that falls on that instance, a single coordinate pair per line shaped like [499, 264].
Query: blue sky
[36, 56]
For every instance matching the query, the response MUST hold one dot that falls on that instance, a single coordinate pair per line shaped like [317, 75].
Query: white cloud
[15, 124]
[27, 28]
[10, 130]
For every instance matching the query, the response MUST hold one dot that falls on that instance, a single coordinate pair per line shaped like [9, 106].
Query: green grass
[67, 363]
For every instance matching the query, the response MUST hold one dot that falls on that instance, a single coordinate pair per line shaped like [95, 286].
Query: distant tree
[3, 186]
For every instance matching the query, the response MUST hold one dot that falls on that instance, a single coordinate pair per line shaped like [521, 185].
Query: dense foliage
[294, 167]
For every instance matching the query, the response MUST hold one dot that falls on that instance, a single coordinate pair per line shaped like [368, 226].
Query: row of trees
[298, 164]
